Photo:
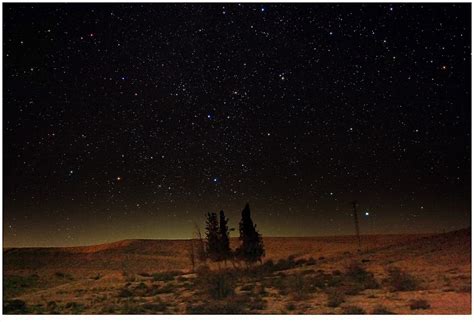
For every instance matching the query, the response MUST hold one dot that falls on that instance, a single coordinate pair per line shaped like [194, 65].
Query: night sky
[133, 120]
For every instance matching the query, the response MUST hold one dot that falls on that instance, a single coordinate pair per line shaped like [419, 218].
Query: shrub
[322, 280]
[15, 307]
[144, 274]
[125, 293]
[75, 307]
[261, 291]
[165, 276]
[380, 309]
[298, 286]
[419, 305]
[291, 306]
[63, 275]
[285, 264]
[167, 288]
[221, 285]
[97, 277]
[155, 307]
[399, 280]
[358, 279]
[129, 277]
[311, 261]
[247, 288]
[335, 298]
[14, 285]
[60, 274]
[217, 285]
[231, 306]
[353, 310]
[52, 306]
[257, 303]
[130, 308]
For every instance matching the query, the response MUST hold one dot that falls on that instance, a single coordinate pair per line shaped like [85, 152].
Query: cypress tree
[224, 242]
[212, 236]
[251, 248]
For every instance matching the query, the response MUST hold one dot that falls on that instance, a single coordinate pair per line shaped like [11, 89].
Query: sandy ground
[124, 277]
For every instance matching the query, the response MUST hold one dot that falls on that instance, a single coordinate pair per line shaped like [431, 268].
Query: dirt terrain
[392, 274]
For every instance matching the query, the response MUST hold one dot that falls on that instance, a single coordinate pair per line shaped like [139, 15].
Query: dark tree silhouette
[224, 243]
[212, 237]
[251, 248]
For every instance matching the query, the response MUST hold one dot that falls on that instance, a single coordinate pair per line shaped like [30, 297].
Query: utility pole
[356, 222]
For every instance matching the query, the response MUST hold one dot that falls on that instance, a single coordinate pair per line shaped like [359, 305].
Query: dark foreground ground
[399, 274]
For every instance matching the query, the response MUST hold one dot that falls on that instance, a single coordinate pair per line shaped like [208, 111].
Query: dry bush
[216, 284]
[380, 309]
[230, 306]
[419, 304]
[335, 297]
[15, 307]
[353, 310]
[165, 276]
[356, 279]
[399, 281]
[14, 285]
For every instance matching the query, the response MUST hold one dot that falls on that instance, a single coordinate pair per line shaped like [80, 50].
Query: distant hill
[142, 255]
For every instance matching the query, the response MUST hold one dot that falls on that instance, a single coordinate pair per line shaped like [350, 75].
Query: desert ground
[392, 274]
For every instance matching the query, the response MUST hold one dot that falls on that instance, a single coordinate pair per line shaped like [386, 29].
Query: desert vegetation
[344, 281]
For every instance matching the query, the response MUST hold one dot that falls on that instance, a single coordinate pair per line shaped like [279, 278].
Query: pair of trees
[251, 247]
[217, 236]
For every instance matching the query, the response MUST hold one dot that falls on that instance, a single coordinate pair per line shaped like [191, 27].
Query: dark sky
[133, 120]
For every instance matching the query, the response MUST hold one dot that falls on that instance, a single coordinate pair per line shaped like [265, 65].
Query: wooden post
[356, 222]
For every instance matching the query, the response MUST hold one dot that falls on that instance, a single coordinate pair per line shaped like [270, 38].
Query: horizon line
[187, 239]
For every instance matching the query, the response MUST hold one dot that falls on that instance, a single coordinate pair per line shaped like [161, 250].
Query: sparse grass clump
[155, 307]
[129, 277]
[63, 275]
[216, 284]
[165, 276]
[358, 279]
[380, 309]
[144, 274]
[419, 304]
[247, 288]
[298, 285]
[353, 310]
[52, 307]
[14, 285]
[400, 281]
[125, 293]
[132, 308]
[97, 277]
[15, 307]
[335, 298]
[221, 285]
[75, 307]
[230, 306]
[311, 261]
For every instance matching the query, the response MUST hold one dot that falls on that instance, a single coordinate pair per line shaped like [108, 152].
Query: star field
[133, 120]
